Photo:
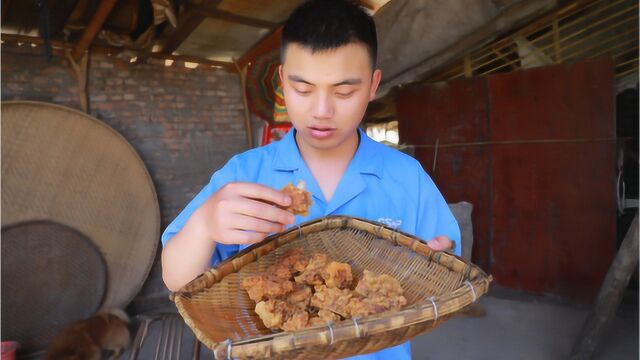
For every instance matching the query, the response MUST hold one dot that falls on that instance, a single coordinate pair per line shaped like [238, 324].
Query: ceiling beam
[187, 23]
[268, 43]
[92, 29]
[231, 17]
[110, 50]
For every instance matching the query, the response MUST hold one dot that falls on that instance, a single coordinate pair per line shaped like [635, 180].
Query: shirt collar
[365, 161]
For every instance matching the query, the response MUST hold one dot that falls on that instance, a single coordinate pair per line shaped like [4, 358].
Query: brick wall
[184, 123]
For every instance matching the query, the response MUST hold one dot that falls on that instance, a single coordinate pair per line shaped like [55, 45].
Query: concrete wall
[184, 123]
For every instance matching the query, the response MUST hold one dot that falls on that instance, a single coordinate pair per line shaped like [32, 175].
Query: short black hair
[329, 24]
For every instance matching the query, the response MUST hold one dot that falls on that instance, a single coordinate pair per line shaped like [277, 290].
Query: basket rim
[430, 309]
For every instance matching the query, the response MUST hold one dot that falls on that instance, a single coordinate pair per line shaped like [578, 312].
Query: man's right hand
[238, 213]
[244, 213]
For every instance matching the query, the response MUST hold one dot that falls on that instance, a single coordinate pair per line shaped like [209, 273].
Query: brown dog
[86, 339]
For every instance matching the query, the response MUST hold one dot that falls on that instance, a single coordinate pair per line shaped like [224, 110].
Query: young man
[329, 76]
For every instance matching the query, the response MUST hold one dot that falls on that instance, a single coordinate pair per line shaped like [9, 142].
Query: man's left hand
[440, 243]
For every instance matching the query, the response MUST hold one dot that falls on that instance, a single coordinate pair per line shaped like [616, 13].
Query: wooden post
[556, 40]
[468, 71]
[610, 295]
[80, 70]
[5, 9]
[92, 29]
[242, 73]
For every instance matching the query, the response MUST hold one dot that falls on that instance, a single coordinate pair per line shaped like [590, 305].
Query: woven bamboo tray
[436, 285]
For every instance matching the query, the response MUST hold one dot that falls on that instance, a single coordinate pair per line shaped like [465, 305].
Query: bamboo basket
[436, 285]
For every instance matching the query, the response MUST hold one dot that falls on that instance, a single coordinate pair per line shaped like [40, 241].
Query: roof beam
[187, 23]
[92, 29]
[231, 17]
[268, 43]
[110, 50]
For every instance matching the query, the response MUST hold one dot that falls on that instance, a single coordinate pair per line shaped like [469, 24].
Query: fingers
[260, 210]
[440, 243]
[244, 222]
[246, 237]
[244, 213]
[260, 192]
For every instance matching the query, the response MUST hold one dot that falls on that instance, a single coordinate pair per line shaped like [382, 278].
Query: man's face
[327, 92]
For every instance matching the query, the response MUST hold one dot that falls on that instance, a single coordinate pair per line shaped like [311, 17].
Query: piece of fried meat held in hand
[300, 198]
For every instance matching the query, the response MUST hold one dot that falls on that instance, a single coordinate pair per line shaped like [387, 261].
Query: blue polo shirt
[380, 184]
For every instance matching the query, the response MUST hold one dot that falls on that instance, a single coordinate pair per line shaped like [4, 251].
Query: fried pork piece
[336, 300]
[299, 320]
[328, 315]
[359, 307]
[266, 286]
[388, 302]
[323, 317]
[337, 275]
[274, 313]
[300, 198]
[312, 274]
[293, 262]
[300, 297]
[372, 284]
[317, 321]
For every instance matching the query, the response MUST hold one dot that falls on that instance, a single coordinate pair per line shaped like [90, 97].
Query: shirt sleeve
[434, 216]
[227, 174]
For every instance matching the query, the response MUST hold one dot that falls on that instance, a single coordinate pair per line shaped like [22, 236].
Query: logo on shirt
[394, 224]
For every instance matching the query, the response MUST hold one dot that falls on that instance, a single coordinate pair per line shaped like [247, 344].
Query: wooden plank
[468, 72]
[187, 24]
[553, 218]
[103, 11]
[5, 9]
[455, 112]
[114, 51]
[599, 320]
[242, 72]
[231, 17]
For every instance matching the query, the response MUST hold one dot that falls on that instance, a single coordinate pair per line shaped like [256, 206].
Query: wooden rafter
[264, 45]
[503, 57]
[104, 9]
[187, 23]
[234, 18]
[229, 66]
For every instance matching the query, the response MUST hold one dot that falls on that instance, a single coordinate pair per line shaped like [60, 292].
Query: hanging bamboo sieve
[436, 285]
